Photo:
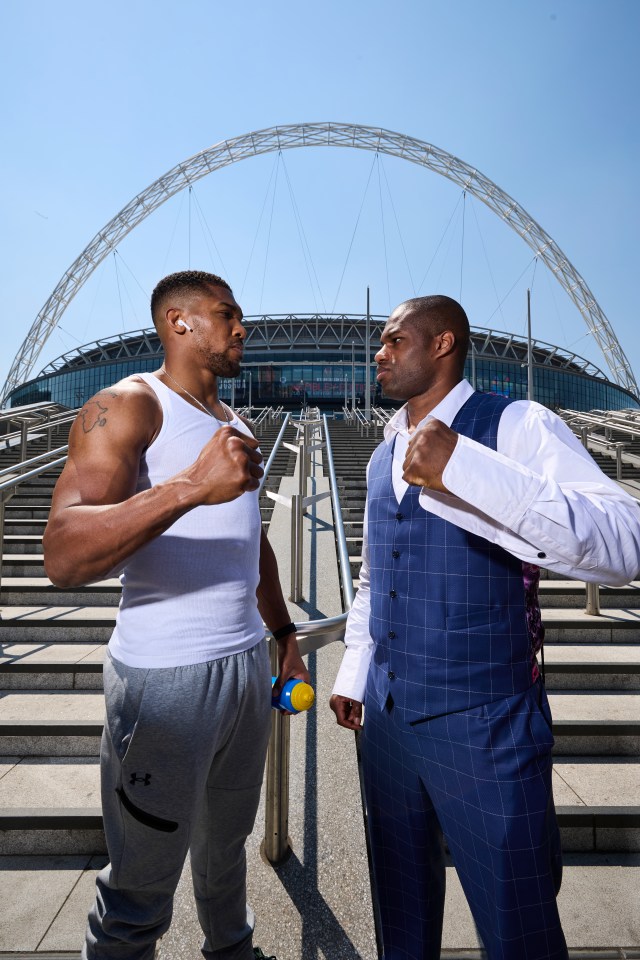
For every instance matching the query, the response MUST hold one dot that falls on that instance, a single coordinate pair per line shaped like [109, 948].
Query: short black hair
[434, 314]
[187, 281]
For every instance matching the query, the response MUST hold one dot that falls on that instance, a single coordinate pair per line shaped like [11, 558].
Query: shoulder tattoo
[93, 414]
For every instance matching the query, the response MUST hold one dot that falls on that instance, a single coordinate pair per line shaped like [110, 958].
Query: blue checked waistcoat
[448, 616]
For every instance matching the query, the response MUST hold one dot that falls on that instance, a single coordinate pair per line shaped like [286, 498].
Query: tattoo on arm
[93, 412]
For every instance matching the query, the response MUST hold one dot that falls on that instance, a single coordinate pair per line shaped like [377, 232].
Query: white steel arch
[321, 135]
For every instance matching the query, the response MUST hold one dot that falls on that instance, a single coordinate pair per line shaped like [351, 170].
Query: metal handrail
[274, 451]
[42, 457]
[14, 481]
[261, 417]
[8, 487]
[341, 540]
[29, 409]
[577, 419]
[311, 636]
[33, 429]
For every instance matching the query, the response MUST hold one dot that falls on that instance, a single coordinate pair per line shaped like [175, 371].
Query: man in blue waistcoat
[468, 495]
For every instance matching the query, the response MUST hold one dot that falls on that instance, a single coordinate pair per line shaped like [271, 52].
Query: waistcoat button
[391, 635]
[398, 516]
[391, 675]
[392, 594]
[395, 554]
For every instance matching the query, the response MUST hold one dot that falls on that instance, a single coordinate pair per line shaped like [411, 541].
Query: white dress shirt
[540, 496]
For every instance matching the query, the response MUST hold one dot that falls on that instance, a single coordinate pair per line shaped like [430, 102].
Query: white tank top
[189, 595]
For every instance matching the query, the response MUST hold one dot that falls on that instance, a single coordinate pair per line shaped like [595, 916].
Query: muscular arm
[97, 520]
[540, 495]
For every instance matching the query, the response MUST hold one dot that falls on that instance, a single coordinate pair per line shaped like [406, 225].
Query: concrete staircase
[52, 647]
[592, 667]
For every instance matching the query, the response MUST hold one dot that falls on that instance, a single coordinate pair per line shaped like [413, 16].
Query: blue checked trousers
[481, 777]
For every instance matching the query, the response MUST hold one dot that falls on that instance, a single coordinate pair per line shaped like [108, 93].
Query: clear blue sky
[98, 100]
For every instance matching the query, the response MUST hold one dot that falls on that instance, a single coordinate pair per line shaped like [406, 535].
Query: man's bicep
[105, 446]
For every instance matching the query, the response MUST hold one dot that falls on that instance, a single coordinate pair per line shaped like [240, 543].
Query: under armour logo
[136, 779]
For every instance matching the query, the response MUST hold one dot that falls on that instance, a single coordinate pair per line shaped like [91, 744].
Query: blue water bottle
[295, 696]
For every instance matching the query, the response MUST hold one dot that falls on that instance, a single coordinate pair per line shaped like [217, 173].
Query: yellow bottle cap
[302, 696]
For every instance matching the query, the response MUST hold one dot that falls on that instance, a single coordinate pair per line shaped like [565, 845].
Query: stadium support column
[367, 363]
[530, 391]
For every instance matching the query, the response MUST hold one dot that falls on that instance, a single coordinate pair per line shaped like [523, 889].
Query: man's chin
[392, 394]
[229, 370]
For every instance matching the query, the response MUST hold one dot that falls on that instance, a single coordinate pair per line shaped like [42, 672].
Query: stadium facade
[321, 359]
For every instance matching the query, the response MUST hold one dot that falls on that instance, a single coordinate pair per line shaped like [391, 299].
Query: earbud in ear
[181, 323]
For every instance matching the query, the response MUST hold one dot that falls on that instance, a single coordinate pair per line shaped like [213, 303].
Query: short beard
[222, 366]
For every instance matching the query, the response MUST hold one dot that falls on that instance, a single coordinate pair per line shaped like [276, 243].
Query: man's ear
[174, 319]
[445, 343]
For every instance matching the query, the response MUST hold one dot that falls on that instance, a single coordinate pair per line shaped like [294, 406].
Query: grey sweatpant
[182, 761]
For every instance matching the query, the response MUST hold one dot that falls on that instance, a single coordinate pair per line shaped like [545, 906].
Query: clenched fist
[228, 466]
[428, 453]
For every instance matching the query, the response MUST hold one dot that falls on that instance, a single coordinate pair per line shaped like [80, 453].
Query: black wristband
[283, 632]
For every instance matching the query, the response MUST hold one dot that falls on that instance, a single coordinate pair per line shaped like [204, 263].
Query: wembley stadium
[297, 359]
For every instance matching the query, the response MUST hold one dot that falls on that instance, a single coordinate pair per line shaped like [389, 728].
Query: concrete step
[33, 590]
[15, 512]
[592, 666]
[51, 666]
[46, 899]
[614, 625]
[15, 563]
[23, 543]
[71, 665]
[592, 723]
[572, 593]
[40, 722]
[50, 723]
[20, 624]
[16, 526]
[52, 805]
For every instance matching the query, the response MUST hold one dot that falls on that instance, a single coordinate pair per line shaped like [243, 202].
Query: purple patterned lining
[531, 578]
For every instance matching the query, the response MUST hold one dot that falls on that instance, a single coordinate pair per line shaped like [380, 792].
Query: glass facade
[279, 369]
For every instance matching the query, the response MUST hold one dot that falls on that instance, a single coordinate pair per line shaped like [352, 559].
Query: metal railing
[33, 426]
[586, 425]
[311, 635]
[17, 474]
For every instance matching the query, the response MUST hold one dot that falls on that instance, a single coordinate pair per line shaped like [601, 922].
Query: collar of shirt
[444, 411]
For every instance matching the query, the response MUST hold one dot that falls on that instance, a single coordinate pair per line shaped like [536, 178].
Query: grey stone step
[33, 590]
[15, 512]
[572, 593]
[46, 900]
[19, 544]
[41, 722]
[614, 625]
[19, 624]
[16, 526]
[590, 723]
[52, 805]
[52, 666]
[50, 723]
[78, 666]
[592, 666]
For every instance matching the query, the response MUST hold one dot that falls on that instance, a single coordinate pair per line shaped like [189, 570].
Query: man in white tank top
[161, 486]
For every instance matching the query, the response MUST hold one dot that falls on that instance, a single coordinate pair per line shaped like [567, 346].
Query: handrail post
[593, 599]
[297, 516]
[296, 547]
[2, 503]
[276, 829]
[24, 433]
